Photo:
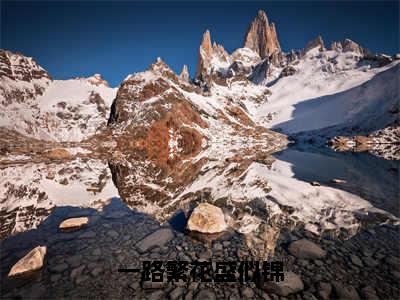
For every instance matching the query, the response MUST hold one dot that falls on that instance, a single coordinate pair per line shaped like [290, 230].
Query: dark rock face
[288, 71]
[260, 71]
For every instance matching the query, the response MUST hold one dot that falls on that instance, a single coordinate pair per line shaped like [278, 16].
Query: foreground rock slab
[291, 284]
[305, 249]
[157, 238]
[74, 223]
[207, 218]
[31, 262]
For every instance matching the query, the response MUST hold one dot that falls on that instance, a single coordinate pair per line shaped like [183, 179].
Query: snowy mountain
[171, 140]
[344, 89]
[36, 106]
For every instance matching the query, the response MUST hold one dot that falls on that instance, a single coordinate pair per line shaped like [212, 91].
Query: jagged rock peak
[185, 73]
[347, 45]
[211, 57]
[261, 37]
[205, 53]
[317, 42]
[161, 68]
[159, 65]
[206, 43]
[16, 66]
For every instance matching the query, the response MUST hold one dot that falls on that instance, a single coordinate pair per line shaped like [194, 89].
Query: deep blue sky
[116, 39]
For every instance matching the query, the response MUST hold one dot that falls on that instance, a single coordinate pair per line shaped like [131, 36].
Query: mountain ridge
[244, 87]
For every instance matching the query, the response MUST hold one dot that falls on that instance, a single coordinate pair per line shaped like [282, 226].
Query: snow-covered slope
[60, 110]
[331, 88]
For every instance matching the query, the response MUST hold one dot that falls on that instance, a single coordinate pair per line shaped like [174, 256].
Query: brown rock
[261, 37]
[207, 218]
[74, 223]
[205, 53]
[58, 154]
[30, 262]
[306, 249]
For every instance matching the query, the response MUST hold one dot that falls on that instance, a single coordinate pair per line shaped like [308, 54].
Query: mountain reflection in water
[259, 194]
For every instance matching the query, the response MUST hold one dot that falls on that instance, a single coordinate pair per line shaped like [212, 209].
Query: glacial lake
[124, 206]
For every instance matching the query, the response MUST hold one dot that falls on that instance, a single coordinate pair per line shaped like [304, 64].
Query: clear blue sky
[119, 38]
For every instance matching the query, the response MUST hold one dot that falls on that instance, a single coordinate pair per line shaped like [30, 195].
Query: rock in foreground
[73, 223]
[157, 238]
[30, 262]
[291, 284]
[207, 218]
[305, 249]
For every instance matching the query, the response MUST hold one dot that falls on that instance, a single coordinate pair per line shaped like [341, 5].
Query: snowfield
[69, 110]
[329, 89]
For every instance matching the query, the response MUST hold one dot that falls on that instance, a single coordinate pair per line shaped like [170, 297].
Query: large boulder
[306, 249]
[31, 262]
[291, 284]
[207, 218]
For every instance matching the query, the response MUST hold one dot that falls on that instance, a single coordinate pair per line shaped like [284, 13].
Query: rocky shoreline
[84, 263]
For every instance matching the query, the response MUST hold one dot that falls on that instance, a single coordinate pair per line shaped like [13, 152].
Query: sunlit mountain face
[296, 154]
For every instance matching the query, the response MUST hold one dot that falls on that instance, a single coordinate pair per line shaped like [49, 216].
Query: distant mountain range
[343, 89]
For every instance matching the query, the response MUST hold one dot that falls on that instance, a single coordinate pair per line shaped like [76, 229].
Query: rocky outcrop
[317, 42]
[16, 66]
[376, 60]
[185, 74]
[207, 218]
[347, 45]
[384, 142]
[157, 114]
[30, 262]
[97, 80]
[261, 36]
[204, 58]
[213, 60]
[260, 72]
[288, 71]
[21, 78]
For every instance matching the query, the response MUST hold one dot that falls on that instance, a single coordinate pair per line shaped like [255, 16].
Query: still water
[126, 198]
